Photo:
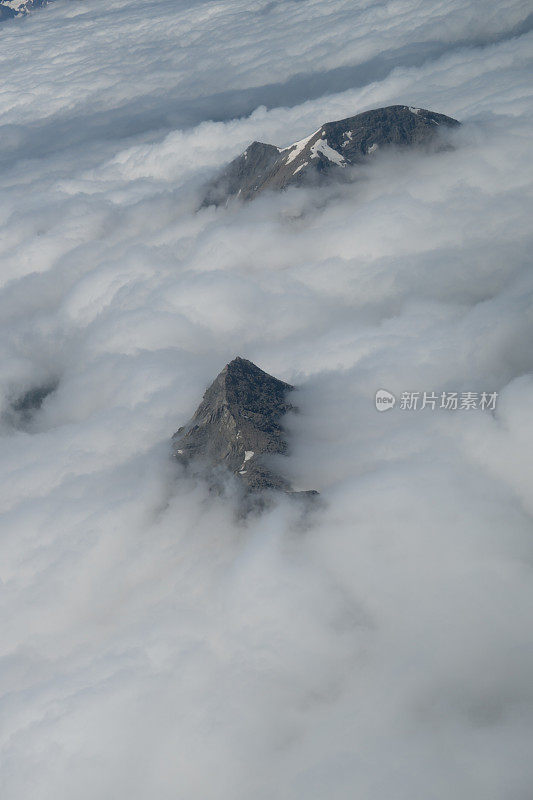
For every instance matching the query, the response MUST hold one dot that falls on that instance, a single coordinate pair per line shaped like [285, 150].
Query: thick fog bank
[152, 644]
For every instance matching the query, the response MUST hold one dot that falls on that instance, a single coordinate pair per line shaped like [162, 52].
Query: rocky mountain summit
[327, 151]
[236, 427]
[18, 8]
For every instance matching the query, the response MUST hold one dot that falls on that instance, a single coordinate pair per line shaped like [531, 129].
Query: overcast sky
[152, 645]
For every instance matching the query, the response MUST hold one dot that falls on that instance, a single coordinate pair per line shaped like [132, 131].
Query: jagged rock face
[244, 174]
[237, 424]
[333, 147]
[16, 8]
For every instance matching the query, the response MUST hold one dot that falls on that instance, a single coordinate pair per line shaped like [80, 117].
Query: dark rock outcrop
[24, 407]
[6, 12]
[236, 427]
[327, 151]
[244, 175]
[18, 8]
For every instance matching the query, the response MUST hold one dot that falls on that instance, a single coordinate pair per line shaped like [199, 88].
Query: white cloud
[151, 645]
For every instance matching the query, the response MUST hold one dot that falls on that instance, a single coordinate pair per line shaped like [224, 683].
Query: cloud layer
[153, 646]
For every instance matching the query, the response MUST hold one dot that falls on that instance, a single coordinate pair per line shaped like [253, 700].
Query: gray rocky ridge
[236, 427]
[326, 152]
[18, 8]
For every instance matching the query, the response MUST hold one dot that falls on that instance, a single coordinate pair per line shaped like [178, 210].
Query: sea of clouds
[152, 644]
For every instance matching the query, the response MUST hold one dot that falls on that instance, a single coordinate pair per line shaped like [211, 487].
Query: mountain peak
[16, 8]
[334, 146]
[238, 425]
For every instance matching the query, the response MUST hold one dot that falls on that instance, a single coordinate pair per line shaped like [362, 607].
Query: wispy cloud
[151, 646]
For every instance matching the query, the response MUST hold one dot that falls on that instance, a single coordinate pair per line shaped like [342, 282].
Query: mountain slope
[237, 424]
[334, 146]
[17, 8]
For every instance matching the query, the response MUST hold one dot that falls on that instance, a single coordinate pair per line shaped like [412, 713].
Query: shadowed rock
[6, 12]
[237, 426]
[17, 8]
[244, 175]
[24, 407]
[326, 152]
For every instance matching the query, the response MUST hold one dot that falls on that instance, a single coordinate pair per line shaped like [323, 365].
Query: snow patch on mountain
[298, 147]
[322, 146]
